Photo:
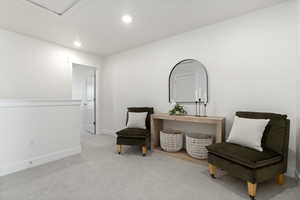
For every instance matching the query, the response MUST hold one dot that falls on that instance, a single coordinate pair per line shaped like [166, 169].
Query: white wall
[80, 74]
[35, 69]
[298, 89]
[36, 132]
[251, 63]
[37, 76]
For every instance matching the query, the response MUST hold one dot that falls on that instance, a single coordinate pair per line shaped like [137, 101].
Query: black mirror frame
[185, 60]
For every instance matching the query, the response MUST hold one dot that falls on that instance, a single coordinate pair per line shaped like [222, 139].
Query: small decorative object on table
[177, 110]
[202, 108]
[201, 100]
[171, 141]
[196, 145]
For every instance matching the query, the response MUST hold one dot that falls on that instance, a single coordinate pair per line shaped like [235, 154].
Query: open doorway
[84, 89]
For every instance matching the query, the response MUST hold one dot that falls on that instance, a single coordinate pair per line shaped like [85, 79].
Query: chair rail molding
[37, 131]
[12, 103]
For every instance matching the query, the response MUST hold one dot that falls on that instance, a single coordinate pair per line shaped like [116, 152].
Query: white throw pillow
[137, 120]
[248, 132]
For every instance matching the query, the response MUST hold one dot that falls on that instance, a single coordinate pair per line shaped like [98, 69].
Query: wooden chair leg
[119, 148]
[144, 150]
[280, 179]
[212, 170]
[252, 190]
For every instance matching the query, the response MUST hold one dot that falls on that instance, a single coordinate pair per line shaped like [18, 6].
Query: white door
[89, 123]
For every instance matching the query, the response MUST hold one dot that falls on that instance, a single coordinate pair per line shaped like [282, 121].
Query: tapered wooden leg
[280, 179]
[212, 170]
[144, 150]
[252, 190]
[119, 148]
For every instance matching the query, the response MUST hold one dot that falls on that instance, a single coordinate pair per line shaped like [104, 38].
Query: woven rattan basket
[196, 145]
[171, 141]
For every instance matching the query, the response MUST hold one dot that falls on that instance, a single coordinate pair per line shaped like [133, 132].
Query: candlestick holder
[204, 109]
[200, 108]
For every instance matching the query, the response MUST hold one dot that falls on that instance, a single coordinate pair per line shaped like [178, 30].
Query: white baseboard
[108, 132]
[12, 168]
[290, 172]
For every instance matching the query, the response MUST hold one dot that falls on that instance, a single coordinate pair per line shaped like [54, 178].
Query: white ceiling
[97, 22]
[57, 6]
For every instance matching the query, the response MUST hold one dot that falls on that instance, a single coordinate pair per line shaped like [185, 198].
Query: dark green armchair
[250, 165]
[136, 136]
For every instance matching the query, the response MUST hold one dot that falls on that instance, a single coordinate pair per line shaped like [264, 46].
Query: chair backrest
[276, 134]
[142, 109]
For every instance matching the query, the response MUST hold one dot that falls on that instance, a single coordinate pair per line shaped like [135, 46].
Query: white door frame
[95, 69]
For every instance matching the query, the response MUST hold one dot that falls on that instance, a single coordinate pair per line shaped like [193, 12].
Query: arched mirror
[188, 82]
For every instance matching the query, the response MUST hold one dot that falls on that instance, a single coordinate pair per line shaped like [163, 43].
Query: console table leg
[220, 132]
[155, 129]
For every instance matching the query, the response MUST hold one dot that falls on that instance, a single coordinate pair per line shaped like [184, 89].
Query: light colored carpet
[99, 173]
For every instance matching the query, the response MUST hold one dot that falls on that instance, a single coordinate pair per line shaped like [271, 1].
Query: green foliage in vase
[177, 110]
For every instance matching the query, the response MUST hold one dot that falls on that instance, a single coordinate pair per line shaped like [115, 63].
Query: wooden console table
[156, 124]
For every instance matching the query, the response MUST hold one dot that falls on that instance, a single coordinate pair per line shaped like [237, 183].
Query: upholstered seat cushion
[244, 156]
[134, 133]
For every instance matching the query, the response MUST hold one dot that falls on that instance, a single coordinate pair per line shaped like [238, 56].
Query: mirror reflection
[188, 82]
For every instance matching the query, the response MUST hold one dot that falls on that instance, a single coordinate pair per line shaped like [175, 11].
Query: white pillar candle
[205, 97]
[200, 93]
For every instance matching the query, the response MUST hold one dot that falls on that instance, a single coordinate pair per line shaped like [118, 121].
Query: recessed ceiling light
[77, 43]
[127, 19]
